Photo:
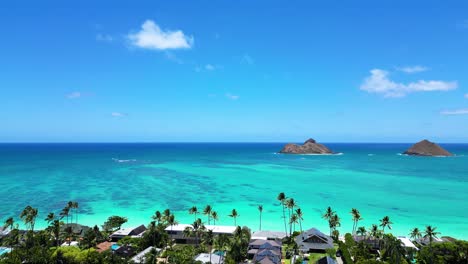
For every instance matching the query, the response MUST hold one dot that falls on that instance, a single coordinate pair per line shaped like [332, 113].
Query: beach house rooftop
[124, 232]
[313, 240]
[205, 258]
[141, 258]
[407, 242]
[268, 235]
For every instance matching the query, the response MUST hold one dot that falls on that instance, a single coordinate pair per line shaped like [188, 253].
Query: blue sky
[370, 71]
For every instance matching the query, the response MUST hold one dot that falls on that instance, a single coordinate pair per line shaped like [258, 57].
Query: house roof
[140, 257]
[262, 242]
[216, 229]
[305, 245]
[129, 231]
[205, 258]
[326, 260]
[407, 242]
[265, 234]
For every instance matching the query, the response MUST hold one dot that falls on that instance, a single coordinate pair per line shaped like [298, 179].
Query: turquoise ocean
[135, 180]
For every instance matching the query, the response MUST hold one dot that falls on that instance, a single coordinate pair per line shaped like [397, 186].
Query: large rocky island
[427, 148]
[309, 147]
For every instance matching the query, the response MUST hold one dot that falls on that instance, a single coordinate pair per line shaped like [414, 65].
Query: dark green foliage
[447, 252]
[346, 257]
[114, 223]
[349, 240]
[371, 261]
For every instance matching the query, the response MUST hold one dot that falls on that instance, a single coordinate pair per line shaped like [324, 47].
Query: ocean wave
[123, 160]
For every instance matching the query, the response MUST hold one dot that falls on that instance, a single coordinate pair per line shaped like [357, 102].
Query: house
[124, 232]
[313, 240]
[373, 243]
[125, 251]
[4, 231]
[326, 260]
[209, 258]
[406, 242]
[141, 257]
[425, 240]
[268, 235]
[264, 251]
[176, 232]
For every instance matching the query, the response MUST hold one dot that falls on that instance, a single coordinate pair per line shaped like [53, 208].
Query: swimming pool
[115, 247]
[4, 250]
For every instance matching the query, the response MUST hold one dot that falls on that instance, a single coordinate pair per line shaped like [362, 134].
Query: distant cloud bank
[232, 96]
[380, 83]
[151, 36]
[118, 114]
[74, 95]
[413, 69]
[455, 112]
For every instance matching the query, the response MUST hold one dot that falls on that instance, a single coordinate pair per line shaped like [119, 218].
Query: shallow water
[134, 180]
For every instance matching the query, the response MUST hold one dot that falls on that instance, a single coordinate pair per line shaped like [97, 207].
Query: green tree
[214, 216]
[300, 218]
[234, 215]
[393, 250]
[415, 233]
[193, 210]
[292, 223]
[157, 217]
[207, 212]
[356, 218]
[361, 231]
[282, 198]
[260, 210]
[114, 223]
[385, 222]
[290, 204]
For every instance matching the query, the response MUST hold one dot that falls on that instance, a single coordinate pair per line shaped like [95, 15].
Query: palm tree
[361, 231]
[234, 215]
[208, 239]
[157, 217]
[292, 223]
[194, 211]
[50, 218]
[54, 229]
[431, 234]
[166, 215]
[260, 210]
[300, 218]
[9, 223]
[70, 207]
[415, 233]
[328, 213]
[207, 212]
[29, 215]
[393, 249]
[172, 222]
[75, 206]
[290, 204]
[65, 212]
[214, 216]
[282, 198]
[334, 222]
[221, 243]
[356, 217]
[384, 222]
[374, 231]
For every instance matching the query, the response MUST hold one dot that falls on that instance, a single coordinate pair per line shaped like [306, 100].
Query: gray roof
[265, 243]
[313, 239]
[140, 257]
[265, 234]
[205, 258]
[326, 260]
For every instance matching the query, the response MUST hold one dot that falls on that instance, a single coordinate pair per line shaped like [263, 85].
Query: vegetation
[43, 246]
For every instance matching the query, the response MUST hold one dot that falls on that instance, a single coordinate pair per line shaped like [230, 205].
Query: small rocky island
[309, 147]
[427, 148]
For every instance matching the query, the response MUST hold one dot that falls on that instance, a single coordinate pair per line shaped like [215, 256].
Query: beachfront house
[425, 240]
[264, 251]
[406, 242]
[209, 258]
[313, 241]
[176, 232]
[124, 232]
[268, 235]
[141, 257]
[373, 243]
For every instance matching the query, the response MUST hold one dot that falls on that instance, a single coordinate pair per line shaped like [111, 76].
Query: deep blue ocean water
[134, 180]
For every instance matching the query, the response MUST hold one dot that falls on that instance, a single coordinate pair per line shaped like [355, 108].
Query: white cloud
[246, 59]
[74, 95]
[152, 37]
[232, 96]
[210, 67]
[455, 112]
[104, 37]
[413, 69]
[379, 82]
[466, 95]
[118, 114]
